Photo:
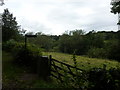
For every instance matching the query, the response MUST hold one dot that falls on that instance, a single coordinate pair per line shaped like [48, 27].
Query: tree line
[101, 44]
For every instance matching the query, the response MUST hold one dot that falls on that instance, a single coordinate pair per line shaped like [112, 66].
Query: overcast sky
[57, 16]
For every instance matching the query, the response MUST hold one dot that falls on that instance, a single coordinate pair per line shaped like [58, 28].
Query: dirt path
[14, 76]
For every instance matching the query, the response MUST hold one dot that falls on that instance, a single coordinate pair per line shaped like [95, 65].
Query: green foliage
[14, 76]
[42, 41]
[116, 8]
[93, 79]
[77, 32]
[101, 78]
[83, 62]
[95, 39]
[74, 41]
[65, 44]
[97, 53]
[27, 56]
[10, 28]
[113, 50]
[9, 45]
[94, 44]
[80, 80]
[74, 59]
[23, 56]
[102, 44]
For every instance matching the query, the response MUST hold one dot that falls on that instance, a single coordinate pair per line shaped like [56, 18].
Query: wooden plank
[66, 64]
[69, 69]
[56, 77]
[61, 75]
[57, 66]
[57, 73]
[30, 35]
[64, 70]
[70, 72]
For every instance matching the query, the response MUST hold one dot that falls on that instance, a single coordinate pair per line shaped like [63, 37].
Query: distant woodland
[23, 56]
[101, 44]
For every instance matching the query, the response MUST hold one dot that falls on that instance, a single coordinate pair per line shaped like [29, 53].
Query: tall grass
[82, 61]
[94, 78]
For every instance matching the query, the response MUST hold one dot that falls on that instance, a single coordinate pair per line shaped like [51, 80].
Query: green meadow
[83, 62]
[14, 76]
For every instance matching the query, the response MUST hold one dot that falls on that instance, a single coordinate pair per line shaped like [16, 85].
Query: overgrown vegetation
[91, 79]
[116, 8]
[83, 62]
[23, 56]
[97, 74]
[21, 77]
[102, 44]
[93, 44]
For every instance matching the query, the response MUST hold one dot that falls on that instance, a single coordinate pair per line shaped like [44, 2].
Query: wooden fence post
[25, 42]
[43, 67]
[50, 61]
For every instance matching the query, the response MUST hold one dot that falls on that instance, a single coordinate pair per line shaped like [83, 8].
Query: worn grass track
[14, 76]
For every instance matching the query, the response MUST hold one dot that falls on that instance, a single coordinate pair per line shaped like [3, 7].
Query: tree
[42, 41]
[10, 28]
[95, 39]
[77, 32]
[73, 41]
[2, 2]
[65, 44]
[79, 43]
[116, 8]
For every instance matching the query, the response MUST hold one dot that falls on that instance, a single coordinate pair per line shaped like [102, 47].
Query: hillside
[82, 61]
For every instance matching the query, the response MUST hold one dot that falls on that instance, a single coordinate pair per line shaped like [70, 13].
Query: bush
[55, 49]
[101, 78]
[27, 56]
[93, 79]
[8, 46]
[23, 56]
[97, 53]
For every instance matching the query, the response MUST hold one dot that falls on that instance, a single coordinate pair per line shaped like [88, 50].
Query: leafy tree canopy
[10, 28]
[116, 8]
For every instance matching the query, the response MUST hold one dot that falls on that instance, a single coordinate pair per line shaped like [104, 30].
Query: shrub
[101, 78]
[93, 79]
[55, 49]
[97, 53]
[8, 46]
[26, 56]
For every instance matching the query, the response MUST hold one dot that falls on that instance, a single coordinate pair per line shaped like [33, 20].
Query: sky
[57, 16]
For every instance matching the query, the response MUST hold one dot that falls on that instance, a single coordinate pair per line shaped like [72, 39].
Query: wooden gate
[58, 69]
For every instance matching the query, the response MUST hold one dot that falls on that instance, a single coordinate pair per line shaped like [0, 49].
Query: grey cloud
[100, 19]
[35, 26]
[62, 12]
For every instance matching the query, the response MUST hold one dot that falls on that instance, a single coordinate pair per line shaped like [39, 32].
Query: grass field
[82, 61]
[14, 76]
